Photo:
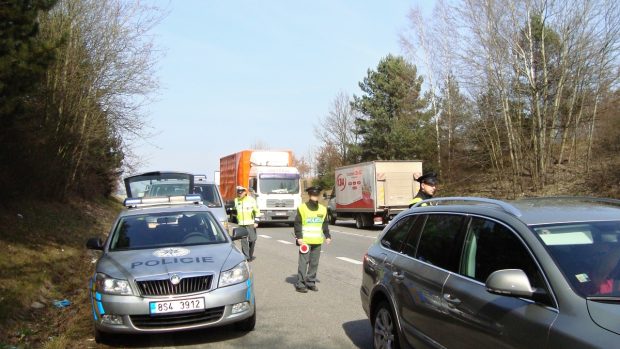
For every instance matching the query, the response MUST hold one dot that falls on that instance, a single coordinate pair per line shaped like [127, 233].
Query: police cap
[314, 190]
[428, 178]
[240, 188]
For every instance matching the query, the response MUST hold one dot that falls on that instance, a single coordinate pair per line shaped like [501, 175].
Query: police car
[169, 265]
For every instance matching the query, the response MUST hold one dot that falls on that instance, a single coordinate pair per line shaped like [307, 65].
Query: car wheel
[384, 331]
[331, 218]
[248, 324]
[359, 221]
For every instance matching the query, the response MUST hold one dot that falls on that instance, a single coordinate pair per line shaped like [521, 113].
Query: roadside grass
[44, 259]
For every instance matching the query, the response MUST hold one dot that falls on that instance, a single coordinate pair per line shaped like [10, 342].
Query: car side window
[410, 246]
[397, 234]
[490, 246]
[439, 240]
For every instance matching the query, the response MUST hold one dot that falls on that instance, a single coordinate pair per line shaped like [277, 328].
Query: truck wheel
[331, 218]
[359, 221]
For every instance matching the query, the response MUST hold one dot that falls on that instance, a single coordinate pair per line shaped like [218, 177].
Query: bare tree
[337, 128]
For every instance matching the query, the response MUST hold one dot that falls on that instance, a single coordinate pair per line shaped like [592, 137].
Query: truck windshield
[280, 183]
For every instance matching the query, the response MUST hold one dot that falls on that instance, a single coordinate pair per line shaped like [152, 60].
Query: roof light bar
[180, 199]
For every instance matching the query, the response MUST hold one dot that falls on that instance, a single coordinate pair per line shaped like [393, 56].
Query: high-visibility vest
[312, 224]
[246, 210]
[416, 200]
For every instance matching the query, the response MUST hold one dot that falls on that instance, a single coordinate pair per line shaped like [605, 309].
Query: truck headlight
[108, 285]
[238, 274]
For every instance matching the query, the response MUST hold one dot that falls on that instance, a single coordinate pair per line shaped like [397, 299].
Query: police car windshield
[166, 229]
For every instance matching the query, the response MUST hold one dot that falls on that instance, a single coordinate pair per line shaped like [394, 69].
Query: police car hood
[143, 263]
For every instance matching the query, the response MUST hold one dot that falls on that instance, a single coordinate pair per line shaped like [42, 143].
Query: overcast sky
[237, 73]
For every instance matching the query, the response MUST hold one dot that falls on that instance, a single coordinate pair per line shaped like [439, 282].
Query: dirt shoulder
[44, 260]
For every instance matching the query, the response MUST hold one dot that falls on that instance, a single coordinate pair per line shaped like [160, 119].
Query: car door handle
[450, 299]
[398, 276]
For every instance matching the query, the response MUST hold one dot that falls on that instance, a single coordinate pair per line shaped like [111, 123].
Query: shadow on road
[359, 332]
[202, 336]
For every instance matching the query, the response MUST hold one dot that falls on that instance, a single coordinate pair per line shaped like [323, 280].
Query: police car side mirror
[239, 233]
[94, 244]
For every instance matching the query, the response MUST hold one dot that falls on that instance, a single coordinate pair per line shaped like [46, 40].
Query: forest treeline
[523, 95]
[73, 77]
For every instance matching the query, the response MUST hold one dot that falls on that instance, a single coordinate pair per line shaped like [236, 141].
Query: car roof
[535, 211]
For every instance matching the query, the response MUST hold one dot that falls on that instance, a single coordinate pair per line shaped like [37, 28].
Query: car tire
[384, 329]
[331, 218]
[248, 324]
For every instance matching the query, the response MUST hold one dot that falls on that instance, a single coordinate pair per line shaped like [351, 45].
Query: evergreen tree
[394, 125]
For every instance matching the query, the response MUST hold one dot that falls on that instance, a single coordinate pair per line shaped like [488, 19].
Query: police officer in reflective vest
[428, 186]
[311, 228]
[247, 217]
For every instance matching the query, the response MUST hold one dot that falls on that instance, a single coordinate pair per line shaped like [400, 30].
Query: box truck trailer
[373, 192]
[269, 176]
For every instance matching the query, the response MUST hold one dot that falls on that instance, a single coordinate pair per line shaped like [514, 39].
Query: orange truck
[269, 176]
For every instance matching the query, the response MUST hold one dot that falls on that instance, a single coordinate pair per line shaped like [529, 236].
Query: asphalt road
[330, 318]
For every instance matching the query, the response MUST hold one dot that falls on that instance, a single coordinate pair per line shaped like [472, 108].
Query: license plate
[177, 306]
[280, 213]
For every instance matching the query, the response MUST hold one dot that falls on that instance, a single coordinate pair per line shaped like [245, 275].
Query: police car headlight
[238, 274]
[108, 285]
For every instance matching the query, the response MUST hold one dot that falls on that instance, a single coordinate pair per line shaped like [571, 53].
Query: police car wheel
[247, 324]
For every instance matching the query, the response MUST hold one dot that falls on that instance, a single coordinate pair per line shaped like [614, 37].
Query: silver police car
[169, 265]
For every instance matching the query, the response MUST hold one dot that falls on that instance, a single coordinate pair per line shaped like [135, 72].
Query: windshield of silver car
[155, 230]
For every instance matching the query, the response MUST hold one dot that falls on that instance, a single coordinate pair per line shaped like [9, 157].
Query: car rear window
[166, 229]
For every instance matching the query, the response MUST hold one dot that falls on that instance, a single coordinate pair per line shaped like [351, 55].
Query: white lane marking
[347, 233]
[265, 236]
[285, 242]
[349, 260]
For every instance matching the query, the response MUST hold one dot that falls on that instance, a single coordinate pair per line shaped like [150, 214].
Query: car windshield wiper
[604, 299]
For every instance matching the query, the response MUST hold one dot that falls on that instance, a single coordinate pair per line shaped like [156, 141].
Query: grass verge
[44, 259]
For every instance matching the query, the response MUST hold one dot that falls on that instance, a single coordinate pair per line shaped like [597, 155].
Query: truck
[373, 192]
[269, 176]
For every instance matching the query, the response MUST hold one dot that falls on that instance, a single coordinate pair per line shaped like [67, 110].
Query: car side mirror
[94, 244]
[239, 233]
[512, 283]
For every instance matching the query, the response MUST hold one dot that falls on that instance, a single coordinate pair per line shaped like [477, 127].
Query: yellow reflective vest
[312, 224]
[247, 210]
[416, 200]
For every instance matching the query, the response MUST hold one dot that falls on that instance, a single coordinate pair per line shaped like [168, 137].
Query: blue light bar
[179, 199]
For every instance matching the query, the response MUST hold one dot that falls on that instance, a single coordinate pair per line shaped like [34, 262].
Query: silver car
[211, 197]
[169, 265]
[481, 273]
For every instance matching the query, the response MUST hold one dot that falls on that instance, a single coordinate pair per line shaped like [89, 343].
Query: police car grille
[177, 320]
[166, 288]
[280, 203]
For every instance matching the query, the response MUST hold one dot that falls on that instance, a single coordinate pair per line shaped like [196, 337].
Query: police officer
[428, 186]
[247, 217]
[311, 228]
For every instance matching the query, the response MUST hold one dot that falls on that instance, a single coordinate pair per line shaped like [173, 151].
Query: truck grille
[280, 203]
[177, 320]
[166, 288]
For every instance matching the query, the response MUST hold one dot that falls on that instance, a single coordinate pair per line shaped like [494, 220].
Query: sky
[239, 73]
